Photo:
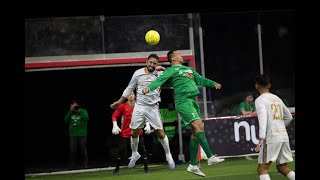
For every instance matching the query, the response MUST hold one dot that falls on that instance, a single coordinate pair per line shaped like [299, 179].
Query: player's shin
[134, 144]
[165, 144]
[202, 140]
[193, 146]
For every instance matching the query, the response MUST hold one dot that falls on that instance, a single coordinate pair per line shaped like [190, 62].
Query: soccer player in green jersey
[184, 80]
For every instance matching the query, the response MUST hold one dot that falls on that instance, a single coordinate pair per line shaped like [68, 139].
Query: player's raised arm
[159, 81]
[202, 81]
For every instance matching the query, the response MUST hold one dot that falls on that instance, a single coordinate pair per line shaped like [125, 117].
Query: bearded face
[152, 63]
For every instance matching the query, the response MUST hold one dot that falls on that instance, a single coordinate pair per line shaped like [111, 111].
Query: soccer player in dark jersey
[124, 111]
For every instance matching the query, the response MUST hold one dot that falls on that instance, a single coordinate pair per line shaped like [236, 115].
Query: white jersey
[273, 118]
[140, 80]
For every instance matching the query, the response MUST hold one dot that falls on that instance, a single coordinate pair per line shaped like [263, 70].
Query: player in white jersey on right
[273, 118]
[146, 108]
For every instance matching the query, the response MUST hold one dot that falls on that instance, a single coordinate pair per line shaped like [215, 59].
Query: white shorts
[275, 152]
[141, 114]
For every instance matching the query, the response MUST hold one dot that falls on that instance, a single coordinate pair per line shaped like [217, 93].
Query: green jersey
[243, 106]
[247, 107]
[77, 122]
[184, 80]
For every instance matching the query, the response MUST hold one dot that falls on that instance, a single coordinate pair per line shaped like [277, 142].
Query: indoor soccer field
[232, 169]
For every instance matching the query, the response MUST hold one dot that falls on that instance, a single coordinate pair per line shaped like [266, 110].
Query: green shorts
[188, 109]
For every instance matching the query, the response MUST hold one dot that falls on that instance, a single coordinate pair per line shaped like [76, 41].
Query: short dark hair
[249, 94]
[263, 80]
[169, 55]
[154, 56]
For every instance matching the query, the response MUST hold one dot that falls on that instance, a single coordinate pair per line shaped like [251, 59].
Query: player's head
[263, 82]
[152, 62]
[174, 57]
[131, 96]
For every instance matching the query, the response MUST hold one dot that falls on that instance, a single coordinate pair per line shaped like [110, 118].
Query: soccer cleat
[145, 165]
[195, 170]
[214, 160]
[116, 171]
[146, 169]
[171, 163]
[133, 160]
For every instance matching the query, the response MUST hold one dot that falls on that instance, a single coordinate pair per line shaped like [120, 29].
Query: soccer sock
[165, 144]
[145, 162]
[118, 162]
[134, 144]
[202, 140]
[264, 177]
[193, 146]
[291, 175]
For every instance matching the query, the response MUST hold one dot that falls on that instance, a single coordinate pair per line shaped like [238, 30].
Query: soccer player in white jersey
[146, 108]
[273, 118]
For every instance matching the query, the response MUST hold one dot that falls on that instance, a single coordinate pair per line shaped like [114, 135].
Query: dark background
[83, 35]
[47, 100]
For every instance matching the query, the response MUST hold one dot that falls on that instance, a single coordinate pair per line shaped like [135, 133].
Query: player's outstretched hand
[145, 91]
[217, 86]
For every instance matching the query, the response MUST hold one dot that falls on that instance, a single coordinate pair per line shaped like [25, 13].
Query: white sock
[165, 144]
[134, 144]
[264, 177]
[291, 175]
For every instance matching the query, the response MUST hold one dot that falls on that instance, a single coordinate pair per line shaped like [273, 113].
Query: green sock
[202, 140]
[193, 146]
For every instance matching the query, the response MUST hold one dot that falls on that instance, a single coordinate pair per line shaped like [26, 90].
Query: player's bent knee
[197, 125]
[160, 133]
[135, 133]
[262, 169]
[283, 168]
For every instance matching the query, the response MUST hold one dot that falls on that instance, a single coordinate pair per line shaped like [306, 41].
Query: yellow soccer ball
[152, 37]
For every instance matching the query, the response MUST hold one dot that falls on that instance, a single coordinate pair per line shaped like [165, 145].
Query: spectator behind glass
[246, 107]
[77, 119]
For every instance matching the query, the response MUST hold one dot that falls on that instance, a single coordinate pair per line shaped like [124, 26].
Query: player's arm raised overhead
[202, 81]
[131, 86]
